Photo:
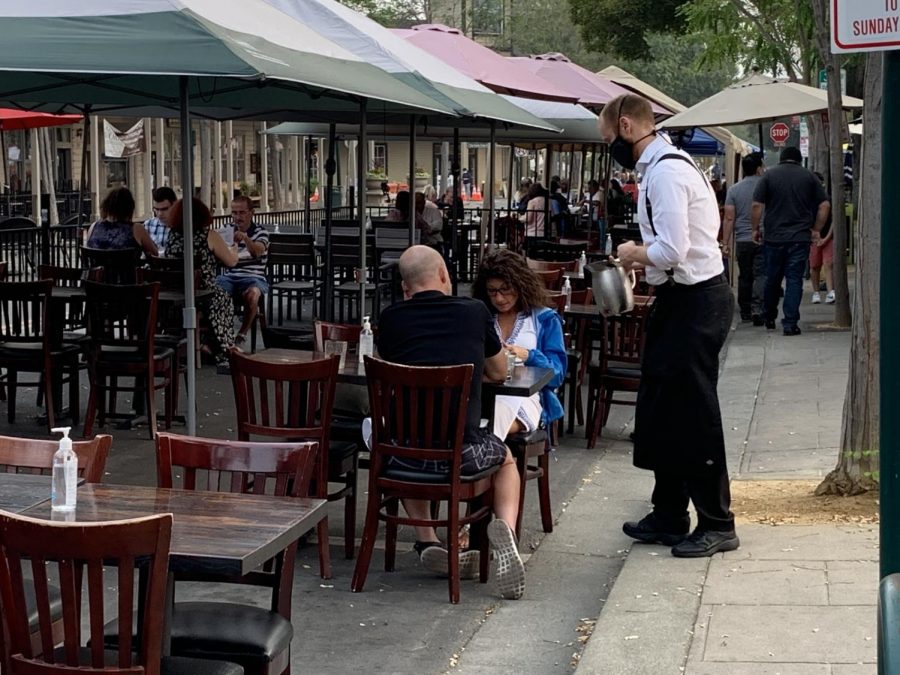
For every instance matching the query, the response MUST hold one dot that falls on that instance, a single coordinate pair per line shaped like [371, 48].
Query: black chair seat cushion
[527, 438]
[289, 286]
[624, 372]
[432, 478]
[169, 665]
[340, 458]
[250, 636]
[353, 287]
[132, 355]
[29, 351]
[345, 428]
[31, 606]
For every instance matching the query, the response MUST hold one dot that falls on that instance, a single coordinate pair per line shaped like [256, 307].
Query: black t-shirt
[792, 195]
[433, 329]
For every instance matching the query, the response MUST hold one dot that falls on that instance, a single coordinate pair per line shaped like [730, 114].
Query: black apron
[678, 425]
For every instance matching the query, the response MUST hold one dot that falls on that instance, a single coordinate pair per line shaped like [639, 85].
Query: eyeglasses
[235, 212]
[503, 290]
[161, 209]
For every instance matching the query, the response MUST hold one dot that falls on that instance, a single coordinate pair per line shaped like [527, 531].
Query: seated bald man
[434, 328]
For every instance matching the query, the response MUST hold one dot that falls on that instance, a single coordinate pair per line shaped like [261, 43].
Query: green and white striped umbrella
[241, 55]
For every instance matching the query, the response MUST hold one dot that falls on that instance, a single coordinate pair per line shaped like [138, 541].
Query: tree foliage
[393, 13]
[622, 28]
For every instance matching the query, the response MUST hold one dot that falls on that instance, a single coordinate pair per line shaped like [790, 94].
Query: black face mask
[623, 152]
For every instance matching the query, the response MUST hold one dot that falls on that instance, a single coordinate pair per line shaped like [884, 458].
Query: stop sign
[779, 133]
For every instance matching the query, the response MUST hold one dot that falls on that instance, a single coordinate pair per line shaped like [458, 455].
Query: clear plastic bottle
[582, 261]
[65, 474]
[607, 248]
[567, 291]
[366, 340]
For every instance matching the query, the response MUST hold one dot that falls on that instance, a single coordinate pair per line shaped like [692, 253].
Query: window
[380, 158]
[487, 17]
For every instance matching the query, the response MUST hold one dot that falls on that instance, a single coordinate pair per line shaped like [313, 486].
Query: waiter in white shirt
[678, 426]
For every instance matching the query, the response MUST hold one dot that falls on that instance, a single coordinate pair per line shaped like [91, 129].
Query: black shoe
[746, 318]
[770, 325]
[793, 330]
[704, 544]
[223, 369]
[757, 320]
[649, 530]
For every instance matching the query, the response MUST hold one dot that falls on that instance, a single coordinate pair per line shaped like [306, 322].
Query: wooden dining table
[213, 532]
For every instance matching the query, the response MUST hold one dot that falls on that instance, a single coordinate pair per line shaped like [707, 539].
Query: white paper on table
[227, 234]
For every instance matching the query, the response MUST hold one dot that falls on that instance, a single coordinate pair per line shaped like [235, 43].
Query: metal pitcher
[612, 286]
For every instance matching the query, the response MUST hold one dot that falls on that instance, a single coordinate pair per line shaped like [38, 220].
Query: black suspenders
[672, 155]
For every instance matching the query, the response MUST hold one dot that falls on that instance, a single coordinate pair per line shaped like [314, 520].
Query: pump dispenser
[65, 474]
[366, 340]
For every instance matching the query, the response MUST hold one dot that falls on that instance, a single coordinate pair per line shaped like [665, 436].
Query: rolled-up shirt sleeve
[669, 199]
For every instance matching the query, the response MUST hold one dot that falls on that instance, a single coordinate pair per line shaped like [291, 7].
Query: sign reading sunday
[865, 25]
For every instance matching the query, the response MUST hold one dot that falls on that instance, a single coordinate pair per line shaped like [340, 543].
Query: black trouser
[707, 488]
[751, 279]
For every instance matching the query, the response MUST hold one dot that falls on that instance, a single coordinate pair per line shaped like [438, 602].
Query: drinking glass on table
[338, 347]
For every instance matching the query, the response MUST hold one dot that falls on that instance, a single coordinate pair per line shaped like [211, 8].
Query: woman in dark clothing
[116, 229]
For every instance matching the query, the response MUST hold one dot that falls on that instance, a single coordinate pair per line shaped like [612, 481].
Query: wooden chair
[29, 455]
[31, 343]
[525, 447]
[294, 402]
[552, 279]
[621, 349]
[547, 265]
[420, 414]
[256, 638]
[119, 265]
[122, 328]
[579, 356]
[292, 274]
[345, 332]
[73, 319]
[64, 550]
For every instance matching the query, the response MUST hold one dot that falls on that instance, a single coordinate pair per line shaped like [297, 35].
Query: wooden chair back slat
[69, 547]
[122, 316]
[409, 403]
[119, 264]
[552, 266]
[24, 312]
[36, 456]
[344, 332]
[552, 279]
[623, 336]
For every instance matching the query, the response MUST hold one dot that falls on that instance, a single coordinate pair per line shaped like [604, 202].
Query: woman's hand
[520, 352]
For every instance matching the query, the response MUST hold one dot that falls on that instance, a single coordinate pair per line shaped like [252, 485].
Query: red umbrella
[16, 120]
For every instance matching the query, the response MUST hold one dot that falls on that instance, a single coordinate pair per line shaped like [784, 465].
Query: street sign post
[779, 133]
[865, 25]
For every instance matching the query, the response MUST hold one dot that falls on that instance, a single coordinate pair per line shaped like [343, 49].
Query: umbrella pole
[85, 140]
[5, 160]
[190, 312]
[308, 192]
[327, 308]
[454, 212]
[489, 197]
[509, 185]
[362, 167]
[762, 148]
[412, 179]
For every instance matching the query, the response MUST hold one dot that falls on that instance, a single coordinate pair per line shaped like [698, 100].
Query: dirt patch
[782, 502]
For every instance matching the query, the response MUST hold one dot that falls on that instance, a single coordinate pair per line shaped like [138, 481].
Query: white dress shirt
[685, 215]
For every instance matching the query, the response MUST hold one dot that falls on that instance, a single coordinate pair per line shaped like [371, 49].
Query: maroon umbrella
[17, 120]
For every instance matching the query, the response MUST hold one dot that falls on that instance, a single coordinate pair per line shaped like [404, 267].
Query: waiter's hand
[629, 254]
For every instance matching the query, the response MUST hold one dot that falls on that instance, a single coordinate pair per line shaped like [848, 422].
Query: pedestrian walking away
[678, 425]
[750, 258]
[796, 206]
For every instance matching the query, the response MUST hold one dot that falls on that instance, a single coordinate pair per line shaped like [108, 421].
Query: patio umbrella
[498, 73]
[594, 91]
[756, 99]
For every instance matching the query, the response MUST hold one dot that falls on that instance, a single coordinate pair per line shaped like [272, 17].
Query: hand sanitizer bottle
[567, 290]
[582, 261]
[366, 340]
[607, 249]
[65, 474]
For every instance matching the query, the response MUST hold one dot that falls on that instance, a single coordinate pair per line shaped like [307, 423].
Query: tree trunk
[832, 64]
[857, 465]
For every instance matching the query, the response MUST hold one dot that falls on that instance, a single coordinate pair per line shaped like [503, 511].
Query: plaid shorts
[477, 456]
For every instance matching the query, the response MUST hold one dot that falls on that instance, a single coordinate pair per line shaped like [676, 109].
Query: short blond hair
[627, 105]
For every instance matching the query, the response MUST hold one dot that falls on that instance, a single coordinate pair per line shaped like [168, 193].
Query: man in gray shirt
[750, 259]
[796, 205]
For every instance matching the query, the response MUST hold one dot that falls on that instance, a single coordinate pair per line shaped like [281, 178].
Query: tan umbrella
[757, 98]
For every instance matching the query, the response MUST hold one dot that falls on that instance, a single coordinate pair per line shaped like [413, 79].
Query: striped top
[247, 265]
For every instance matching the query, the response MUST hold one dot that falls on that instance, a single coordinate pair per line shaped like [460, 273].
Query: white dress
[526, 409]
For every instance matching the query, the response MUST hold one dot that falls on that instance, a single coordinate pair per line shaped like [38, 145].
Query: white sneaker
[509, 572]
[436, 559]
[830, 298]
[817, 298]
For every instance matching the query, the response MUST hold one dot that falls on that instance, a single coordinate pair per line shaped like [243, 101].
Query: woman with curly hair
[528, 328]
[209, 250]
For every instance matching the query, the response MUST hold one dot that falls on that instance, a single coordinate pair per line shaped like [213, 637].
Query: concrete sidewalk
[794, 599]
